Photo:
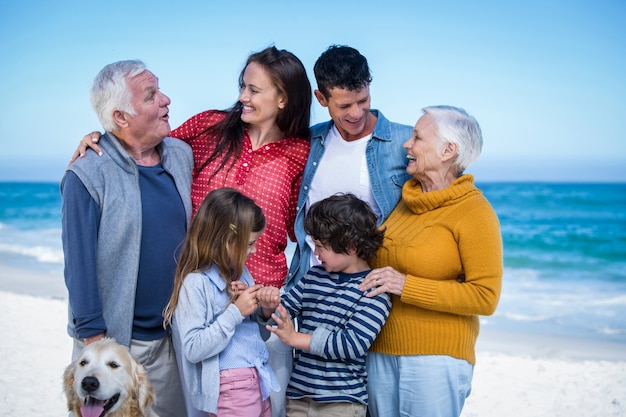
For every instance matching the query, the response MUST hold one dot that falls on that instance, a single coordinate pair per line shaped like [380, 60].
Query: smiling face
[260, 98]
[105, 379]
[333, 261]
[424, 149]
[350, 111]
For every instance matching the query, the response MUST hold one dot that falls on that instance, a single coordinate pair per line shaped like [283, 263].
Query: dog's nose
[90, 384]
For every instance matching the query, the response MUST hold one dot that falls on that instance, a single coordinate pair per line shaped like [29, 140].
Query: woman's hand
[382, 280]
[89, 141]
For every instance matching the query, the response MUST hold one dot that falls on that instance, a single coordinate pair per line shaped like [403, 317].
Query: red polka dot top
[270, 175]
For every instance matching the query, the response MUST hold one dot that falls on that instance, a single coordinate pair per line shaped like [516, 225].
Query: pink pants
[240, 394]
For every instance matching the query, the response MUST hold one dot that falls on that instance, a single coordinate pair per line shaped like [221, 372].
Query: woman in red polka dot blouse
[259, 147]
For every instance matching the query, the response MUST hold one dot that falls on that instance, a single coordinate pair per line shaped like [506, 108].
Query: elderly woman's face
[424, 149]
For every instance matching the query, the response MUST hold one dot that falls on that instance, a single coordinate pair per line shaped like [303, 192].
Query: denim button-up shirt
[386, 163]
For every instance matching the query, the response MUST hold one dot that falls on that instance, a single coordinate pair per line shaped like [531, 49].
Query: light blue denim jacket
[386, 163]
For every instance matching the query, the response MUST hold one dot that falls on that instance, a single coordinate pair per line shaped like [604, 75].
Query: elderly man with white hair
[124, 216]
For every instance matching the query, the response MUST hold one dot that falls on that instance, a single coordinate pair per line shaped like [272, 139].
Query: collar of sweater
[420, 202]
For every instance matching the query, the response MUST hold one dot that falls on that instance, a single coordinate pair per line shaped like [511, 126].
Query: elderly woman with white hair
[441, 261]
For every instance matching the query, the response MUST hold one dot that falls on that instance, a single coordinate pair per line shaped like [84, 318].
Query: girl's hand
[247, 302]
[89, 141]
[238, 287]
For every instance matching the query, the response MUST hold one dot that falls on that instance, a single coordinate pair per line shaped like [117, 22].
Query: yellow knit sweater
[448, 243]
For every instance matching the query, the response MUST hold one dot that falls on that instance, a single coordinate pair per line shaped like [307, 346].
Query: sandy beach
[521, 375]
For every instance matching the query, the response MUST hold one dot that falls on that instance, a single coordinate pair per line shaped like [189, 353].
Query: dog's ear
[73, 402]
[145, 392]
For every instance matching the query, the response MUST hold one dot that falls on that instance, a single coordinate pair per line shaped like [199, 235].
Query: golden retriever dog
[106, 381]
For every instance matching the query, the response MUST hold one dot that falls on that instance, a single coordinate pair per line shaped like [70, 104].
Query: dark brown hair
[290, 79]
[344, 222]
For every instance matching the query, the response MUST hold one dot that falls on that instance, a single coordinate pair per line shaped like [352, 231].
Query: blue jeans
[419, 385]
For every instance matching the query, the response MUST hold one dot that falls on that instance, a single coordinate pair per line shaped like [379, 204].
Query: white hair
[455, 125]
[110, 91]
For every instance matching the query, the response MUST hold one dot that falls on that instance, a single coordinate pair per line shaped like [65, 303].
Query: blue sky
[545, 79]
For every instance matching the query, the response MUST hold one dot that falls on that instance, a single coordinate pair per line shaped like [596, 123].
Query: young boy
[337, 323]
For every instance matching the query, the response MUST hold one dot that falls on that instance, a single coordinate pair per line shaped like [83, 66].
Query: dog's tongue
[92, 408]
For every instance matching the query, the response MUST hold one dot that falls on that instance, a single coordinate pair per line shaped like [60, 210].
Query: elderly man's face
[151, 122]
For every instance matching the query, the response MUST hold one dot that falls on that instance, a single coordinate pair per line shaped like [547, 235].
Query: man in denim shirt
[357, 151]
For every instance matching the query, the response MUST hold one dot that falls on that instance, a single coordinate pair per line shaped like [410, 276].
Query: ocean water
[564, 252]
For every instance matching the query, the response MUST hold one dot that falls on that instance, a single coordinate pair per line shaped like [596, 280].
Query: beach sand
[520, 375]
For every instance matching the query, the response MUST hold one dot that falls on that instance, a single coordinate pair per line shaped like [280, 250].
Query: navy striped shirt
[343, 323]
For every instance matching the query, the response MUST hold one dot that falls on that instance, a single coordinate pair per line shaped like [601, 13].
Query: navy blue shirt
[160, 246]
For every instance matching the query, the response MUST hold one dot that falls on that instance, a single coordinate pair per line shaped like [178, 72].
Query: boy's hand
[269, 299]
[286, 331]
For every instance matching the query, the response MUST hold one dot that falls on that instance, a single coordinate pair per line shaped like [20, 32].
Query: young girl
[222, 357]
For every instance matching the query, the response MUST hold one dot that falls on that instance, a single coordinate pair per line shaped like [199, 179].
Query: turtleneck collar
[420, 202]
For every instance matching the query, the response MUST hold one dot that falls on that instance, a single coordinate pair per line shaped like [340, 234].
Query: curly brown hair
[344, 222]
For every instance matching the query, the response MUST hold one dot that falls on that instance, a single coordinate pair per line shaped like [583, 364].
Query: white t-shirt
[342, 169]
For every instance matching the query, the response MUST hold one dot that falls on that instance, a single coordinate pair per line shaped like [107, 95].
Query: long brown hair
[290, 79]
[218, 235]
